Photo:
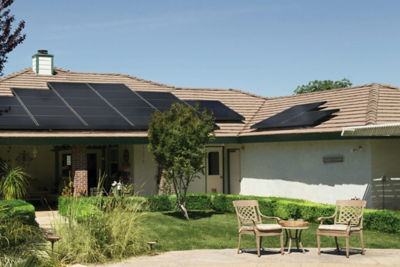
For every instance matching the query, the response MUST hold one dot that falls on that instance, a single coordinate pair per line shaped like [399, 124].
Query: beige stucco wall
[297, 170]
[41, 168]
[385, 158]
[144, 171]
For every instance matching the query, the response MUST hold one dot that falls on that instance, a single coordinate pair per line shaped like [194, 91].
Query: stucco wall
[41, 168]
[144, 171]
[297, 170]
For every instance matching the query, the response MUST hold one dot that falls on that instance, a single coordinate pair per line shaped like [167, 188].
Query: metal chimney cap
[43, 51]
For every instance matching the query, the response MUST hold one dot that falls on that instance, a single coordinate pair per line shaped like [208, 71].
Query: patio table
[296, 237]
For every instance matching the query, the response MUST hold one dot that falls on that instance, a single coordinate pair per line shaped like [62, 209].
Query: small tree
[9, 39]
[177, 139]
[315, 86]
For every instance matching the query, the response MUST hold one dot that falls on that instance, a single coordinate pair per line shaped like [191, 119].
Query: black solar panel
[47, 109]
[305, 115]
[90, 107]
[160, 100]
[220, 111]
[129, 103]
[13, 115]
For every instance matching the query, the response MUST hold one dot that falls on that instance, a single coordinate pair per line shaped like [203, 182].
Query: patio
[228, 257]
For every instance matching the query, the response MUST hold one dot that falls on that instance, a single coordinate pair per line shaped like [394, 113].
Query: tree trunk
[185, 213]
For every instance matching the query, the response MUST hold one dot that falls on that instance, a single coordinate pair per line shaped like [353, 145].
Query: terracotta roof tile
[359, 105]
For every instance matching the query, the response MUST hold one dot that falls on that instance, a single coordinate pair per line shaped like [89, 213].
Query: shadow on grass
[193, 214]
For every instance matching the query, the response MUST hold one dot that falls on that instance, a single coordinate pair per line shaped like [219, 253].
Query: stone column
[79, 170]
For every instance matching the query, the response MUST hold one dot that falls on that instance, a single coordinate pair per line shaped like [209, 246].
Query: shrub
[19, 210]
[285, 208]
[110, 229]
[13, 181]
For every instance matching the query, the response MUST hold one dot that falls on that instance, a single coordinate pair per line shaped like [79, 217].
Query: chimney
[42, 63]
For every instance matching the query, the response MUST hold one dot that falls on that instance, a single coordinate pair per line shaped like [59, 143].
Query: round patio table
[296, 237]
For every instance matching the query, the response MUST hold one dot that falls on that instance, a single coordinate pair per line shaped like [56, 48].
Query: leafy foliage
[9, 38]
[378, 220]
[315, 86]
[98, 230]
[19, 210]
[178, 138]
[13, 181]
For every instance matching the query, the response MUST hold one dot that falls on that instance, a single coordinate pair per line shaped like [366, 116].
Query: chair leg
[282, 249]
[240, 241]
[362, 242]
[258, 245]
[319, 244]
[337, 244]
[347, 246]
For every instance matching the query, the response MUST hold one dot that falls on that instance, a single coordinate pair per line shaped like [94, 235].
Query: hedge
[378, 220]
[18, 209]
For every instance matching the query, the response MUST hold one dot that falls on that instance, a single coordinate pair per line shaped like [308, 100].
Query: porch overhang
[388, 129]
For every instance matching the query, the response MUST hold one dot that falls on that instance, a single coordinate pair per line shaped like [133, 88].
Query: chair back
[350, 209]
[247, 211]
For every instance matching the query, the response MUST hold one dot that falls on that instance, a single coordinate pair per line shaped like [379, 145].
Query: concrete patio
[228, 257]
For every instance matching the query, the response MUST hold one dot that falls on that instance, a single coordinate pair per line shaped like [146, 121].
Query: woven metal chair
[348, 220]
[250, 223]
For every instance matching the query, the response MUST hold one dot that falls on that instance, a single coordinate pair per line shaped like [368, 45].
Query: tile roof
[359, 105]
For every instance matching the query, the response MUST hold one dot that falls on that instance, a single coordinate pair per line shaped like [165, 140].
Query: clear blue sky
[265, 47]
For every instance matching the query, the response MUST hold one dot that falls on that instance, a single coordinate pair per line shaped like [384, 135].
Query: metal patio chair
[250, 223]
[348, 220]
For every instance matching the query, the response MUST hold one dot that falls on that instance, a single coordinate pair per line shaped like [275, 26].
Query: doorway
[234, 171]
[92, 169]
[214, 170]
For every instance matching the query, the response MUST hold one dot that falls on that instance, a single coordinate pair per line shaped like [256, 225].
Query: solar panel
[91, 108]
[221, 112]
[128, 103]
[304, 115]
[13, 115]
[47, 110]
[160, 100]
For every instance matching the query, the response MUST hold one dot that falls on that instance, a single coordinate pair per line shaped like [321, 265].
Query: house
[320, 146]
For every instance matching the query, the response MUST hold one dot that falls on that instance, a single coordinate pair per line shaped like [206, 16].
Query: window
[213, 163]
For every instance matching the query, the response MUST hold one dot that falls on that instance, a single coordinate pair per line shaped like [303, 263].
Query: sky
[263, 47]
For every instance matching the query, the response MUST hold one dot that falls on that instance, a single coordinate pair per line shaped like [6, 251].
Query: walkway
[44, 218]
[228, 257]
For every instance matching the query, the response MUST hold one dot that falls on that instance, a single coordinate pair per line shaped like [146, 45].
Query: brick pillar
[79, 169]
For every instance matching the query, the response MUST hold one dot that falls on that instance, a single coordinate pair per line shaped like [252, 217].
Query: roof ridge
[372, 105]
[12, 75]
[326, 91]
[165, 85]
[252, 117]
[117, 74]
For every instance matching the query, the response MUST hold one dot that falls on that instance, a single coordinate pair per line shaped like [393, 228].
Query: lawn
[211, 230]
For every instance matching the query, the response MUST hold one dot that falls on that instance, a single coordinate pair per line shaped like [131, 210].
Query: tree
[177, 139]
[315, 86]
[9, 38]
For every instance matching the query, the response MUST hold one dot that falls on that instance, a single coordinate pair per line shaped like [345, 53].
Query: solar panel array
[13, 115]
[220, 111]
[91, 106]
[304, 115]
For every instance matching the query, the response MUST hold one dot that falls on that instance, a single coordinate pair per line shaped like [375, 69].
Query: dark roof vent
[43, 52]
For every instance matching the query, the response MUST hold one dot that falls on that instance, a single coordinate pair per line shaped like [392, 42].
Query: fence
[385, 193]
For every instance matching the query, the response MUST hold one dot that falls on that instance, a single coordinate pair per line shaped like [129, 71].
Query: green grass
[210, 230]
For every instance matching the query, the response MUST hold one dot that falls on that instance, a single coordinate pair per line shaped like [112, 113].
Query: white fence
[385, 193]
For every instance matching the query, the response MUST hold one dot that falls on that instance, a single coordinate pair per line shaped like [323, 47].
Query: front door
[214, 170]
[234, 171]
